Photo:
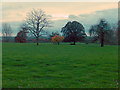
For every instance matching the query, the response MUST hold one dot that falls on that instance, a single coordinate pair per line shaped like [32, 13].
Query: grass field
[59, 66]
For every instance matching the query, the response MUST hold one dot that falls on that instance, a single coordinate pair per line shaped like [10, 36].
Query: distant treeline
[32, 31]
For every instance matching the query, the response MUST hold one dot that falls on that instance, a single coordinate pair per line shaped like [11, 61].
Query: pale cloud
[17, 11]
[111, 15]
[61, 13]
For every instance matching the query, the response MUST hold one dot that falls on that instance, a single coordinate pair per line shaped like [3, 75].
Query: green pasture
[25, 65]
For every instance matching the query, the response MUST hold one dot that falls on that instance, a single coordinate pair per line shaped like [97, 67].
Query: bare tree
[35, 22]
[101, 31]
[6, 32]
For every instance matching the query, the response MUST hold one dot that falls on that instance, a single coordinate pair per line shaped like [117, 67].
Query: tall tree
[118, 32]
[35, 22]
[6, 32]
[73, 32]
[100, 31]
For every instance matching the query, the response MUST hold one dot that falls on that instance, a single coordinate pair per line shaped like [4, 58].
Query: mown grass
[59, 66]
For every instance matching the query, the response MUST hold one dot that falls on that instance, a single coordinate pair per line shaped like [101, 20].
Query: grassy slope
[50, 66]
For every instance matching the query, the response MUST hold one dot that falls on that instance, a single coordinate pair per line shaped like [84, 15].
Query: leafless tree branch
[35, 21]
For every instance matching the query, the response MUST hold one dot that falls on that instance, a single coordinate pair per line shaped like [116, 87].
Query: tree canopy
[36, 20]
[73, 32]
[101, 31]
[57, 39]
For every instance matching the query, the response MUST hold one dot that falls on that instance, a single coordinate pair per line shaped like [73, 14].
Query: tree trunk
[37, 33]
[102, 39]
[37, 41]
[74, 43]
[102, 43]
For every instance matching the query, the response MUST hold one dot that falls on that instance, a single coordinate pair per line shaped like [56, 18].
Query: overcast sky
[87, 13]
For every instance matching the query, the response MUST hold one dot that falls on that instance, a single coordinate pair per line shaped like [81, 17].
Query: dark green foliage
[73, 32]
